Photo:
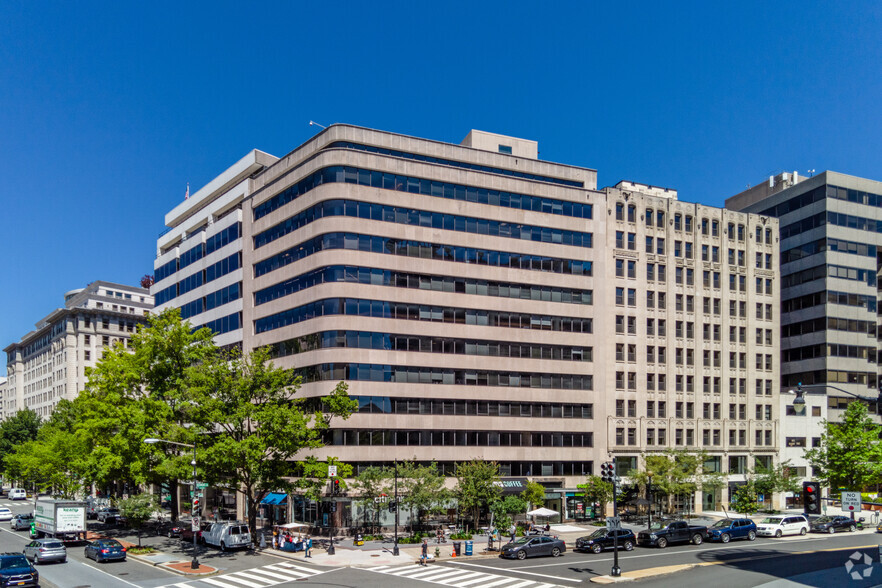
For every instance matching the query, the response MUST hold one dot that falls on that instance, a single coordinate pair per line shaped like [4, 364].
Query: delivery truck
[62, 519]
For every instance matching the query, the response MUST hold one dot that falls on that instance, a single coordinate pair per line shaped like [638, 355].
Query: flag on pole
[187, 195]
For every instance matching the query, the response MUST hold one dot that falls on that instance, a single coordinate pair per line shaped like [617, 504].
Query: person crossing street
[424, 556]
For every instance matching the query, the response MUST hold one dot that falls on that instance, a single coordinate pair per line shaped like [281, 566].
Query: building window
[505, 149]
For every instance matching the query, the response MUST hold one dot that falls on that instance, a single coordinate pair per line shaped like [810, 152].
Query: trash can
[468, 547]
[456, 546]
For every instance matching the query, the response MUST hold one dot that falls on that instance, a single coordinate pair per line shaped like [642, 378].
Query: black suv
[16, 570]
[832, 524]
[603, 539]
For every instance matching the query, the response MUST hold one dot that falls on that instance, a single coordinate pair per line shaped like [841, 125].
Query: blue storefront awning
[274, 498]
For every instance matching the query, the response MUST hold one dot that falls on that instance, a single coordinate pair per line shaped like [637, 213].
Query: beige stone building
[49, 363]
[481, 303]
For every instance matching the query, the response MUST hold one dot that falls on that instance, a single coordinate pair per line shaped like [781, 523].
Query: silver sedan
[43, 550]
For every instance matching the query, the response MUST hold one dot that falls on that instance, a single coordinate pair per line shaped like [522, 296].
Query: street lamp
[195, 563]
[799, 401]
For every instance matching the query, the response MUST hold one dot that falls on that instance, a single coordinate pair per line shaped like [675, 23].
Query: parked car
[22, 522]
[230, 535]
[43, 550]
[95, 505]
[603, 538]
[106, 550]
[175, 532]
[5, 514]
[524, 547]
[779, 525]
[833, 524]
[17, 494]
[186, 533]
[661, 534]
[108, 515]
[16, 570]
[727, 529]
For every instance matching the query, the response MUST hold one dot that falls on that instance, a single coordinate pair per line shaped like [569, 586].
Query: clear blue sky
[108, 110]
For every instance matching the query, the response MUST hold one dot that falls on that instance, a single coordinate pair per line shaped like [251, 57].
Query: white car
[779, 525]
[5, 514]
[17, 494]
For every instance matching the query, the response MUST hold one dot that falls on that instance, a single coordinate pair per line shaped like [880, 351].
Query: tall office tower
[4, 398]
[831, 233]
[50, 362]
[482, 303]
[198, 266]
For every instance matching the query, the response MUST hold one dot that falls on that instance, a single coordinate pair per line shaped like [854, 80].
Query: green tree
[20, 428]
[143, 390]
[371, 483]
[850, 455]
[476, 486]
[534, 495]
[137, 510]
[674, 473]
[505, 508]
[596, 490]
[744, 501]
[421, 489]
[259, 425]
[778, 478]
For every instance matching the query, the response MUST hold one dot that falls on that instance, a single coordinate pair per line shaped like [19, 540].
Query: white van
[17, 494]
[779, 525]
[228, 535]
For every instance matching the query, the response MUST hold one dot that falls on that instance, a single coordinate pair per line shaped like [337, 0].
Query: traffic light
[607, 471]
[392, 506]
[811, 498]
[335, 488]
[195, 504]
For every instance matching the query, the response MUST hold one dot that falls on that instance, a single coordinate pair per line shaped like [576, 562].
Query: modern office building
[481, 303]
[50, 362]
[831, 233]
[198, 266]
[4, 398]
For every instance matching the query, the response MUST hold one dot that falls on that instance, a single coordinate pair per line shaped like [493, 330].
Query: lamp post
[395, 546]
[195, 563]
[649, 498]
[799, 401]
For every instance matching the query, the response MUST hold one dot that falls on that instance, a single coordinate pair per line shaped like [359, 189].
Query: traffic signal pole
[608, 474]
[395, 547]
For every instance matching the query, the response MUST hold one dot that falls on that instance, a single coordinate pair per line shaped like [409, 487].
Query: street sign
[195, 525]
[201, 485]
[613, 523]
[332, 471]
[851, 501]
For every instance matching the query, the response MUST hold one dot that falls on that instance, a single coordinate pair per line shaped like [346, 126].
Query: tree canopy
[850, 454]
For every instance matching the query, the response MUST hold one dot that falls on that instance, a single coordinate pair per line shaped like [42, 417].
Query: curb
[167, 565]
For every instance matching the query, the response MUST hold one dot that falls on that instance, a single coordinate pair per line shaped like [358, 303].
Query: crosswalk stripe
[424, 573]
[284, 578]
[217, 582]
[233, 578]
[409, 570]
[496, 582]
[469, 576]
[288, 567]
[250, 574]
[474, 580]
[522, 584]
[449, 573]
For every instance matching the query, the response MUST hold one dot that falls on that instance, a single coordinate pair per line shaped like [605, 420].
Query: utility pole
[395, 547]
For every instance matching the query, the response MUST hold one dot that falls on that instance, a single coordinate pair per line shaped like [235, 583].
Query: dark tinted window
[18, 561]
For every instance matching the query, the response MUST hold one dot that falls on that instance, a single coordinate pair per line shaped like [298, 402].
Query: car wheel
[778, 532]
[596, 548]
[697, 539]
[803, 531]
[725, 538]
[522, 554]
[751, 535]
[555, 552]
[662, 543]
[628, 546]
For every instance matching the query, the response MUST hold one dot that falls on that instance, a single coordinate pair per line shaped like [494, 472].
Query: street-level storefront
[577, 508]
[273, 510]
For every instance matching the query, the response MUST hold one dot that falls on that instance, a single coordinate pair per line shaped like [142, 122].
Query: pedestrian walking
[307, 545]
[425, 554]
[513, 532]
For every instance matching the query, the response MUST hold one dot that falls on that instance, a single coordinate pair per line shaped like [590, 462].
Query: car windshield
[721, 524]
[110, 543]
[8, 563]
[824, 519]
[657, 525]
[522, 540]
[53, 545]
[772, 521]
[598, 534]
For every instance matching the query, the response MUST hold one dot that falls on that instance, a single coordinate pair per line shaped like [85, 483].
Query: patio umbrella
[639, 502]
[543, 512]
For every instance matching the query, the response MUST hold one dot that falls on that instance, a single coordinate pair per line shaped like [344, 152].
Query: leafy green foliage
[505, 508]
[534, 495]
[259, 426]
[779, 478]
[137, 510]
[596, 490]
[850, 455]
[20, 428]
[674, 472]
[421, 489]
[371, 483]
[476, 486]
[745, 499]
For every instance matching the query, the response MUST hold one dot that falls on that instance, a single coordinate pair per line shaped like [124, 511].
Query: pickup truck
[663, 533]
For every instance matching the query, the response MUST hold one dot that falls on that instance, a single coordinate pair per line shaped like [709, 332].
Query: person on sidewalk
[513, 531]
[307, 545]
[424, 556]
